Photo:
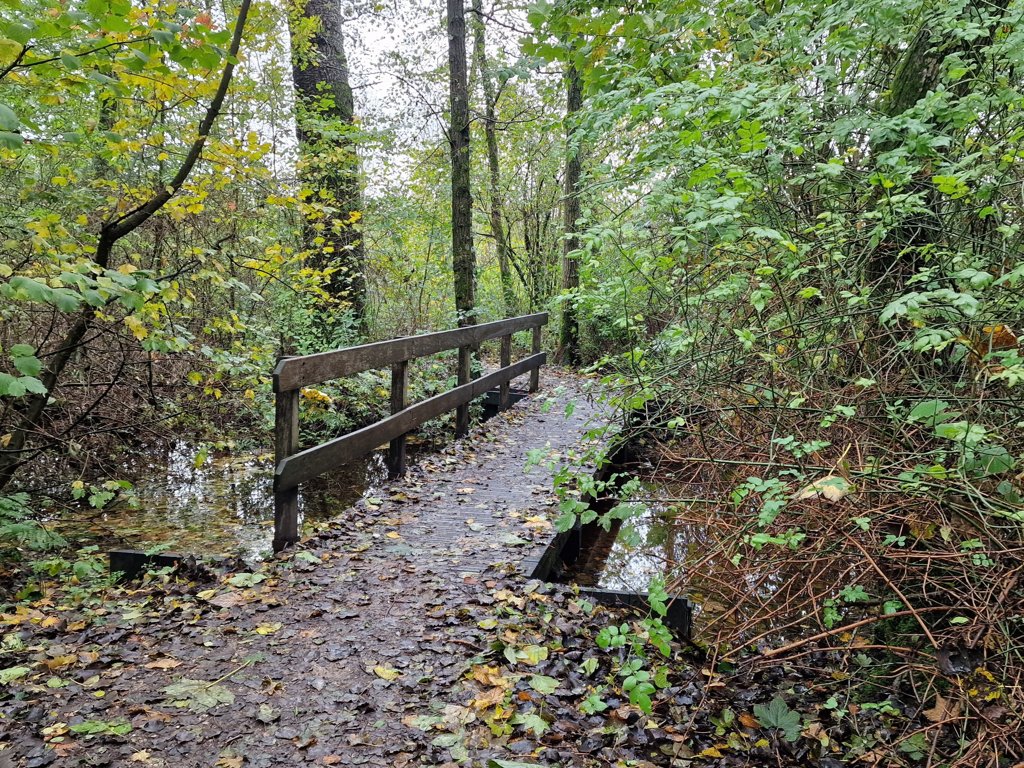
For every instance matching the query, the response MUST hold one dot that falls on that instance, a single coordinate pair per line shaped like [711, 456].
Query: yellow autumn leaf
[268, 629]
[393, 535]
[386, 673]
[136, 326]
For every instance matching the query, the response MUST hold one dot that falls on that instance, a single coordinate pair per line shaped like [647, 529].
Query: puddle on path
[223, 507]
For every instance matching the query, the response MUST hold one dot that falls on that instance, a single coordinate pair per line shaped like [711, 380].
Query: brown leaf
[749, 721]
[943, 710]
[167, 663]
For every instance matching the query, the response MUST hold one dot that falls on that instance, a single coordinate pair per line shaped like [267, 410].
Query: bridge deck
[307, 653]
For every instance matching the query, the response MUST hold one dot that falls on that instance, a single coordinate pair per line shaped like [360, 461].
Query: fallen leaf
[830, 488]
[198, 695]
[749, 721]
[167, 663]
[386, 673]
[943, 710]
[268, 629]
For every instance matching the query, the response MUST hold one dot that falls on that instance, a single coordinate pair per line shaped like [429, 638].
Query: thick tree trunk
[463, 258]
[569, 341]
[330, 165]
[497, 215]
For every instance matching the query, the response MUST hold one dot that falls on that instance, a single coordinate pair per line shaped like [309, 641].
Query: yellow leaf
[393, 535]
[386, 673]
[127, 269]
[138, 329]
[268, 629]
[59, 662]
[712, 752]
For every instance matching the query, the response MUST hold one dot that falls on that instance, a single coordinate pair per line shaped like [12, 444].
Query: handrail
[291, 374]
[295, 372]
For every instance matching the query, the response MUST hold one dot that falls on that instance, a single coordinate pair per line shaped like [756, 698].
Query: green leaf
[71, 63]
[11, 674]
[198, 695]
[543, 684]
[778, 715]
[532, 722]
[11, 386]
[8, 119]
[28, 365]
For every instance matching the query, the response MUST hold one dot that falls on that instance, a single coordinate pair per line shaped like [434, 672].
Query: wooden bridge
[294, 466]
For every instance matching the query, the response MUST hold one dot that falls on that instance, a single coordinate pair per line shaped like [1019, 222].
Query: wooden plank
[506, 360]
[535, 374]
[286, 443]
[399, 394]
[296, 372]
[463, 376]
[312, 462]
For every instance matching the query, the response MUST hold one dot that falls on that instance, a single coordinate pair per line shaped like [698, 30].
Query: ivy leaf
[778, 715]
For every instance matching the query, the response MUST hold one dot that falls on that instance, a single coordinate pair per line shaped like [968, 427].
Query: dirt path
[328, 656]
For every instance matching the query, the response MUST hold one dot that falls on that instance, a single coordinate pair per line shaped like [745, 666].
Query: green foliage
[17, 528]
[777, 714]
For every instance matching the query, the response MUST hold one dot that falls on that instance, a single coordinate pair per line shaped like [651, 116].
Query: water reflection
[224, 506]
[690, 545]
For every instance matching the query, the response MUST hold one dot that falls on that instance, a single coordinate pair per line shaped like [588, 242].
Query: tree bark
[569, 338]
[463, 258]
[325, 117]
[496, 212]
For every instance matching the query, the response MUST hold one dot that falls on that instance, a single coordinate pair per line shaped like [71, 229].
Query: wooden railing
[293, 373]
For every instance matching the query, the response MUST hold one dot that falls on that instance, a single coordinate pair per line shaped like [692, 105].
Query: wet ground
[323, 656]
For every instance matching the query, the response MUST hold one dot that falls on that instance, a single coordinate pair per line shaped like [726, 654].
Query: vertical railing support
[506, 360]
[462, 412]
[399, 394]
[535, 373]
[286, 442]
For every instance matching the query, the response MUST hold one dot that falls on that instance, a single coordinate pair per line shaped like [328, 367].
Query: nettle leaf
[532, 722]
[778, 715]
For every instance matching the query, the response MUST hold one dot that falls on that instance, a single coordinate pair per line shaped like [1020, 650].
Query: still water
[223, 506]
[689, 542]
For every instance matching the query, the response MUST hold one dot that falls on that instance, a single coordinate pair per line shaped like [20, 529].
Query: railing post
[506, 360]
[286, 442]
[399, 393]
[535, 373]
[462, 412]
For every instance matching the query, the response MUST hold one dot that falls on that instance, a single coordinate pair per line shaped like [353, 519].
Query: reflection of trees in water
[690, 546]
[223, 506]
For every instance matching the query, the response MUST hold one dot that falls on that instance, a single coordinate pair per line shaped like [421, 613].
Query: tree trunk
[569, 349]
[463, 258]
[325, 114]
[497, 215]
[919, 72]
